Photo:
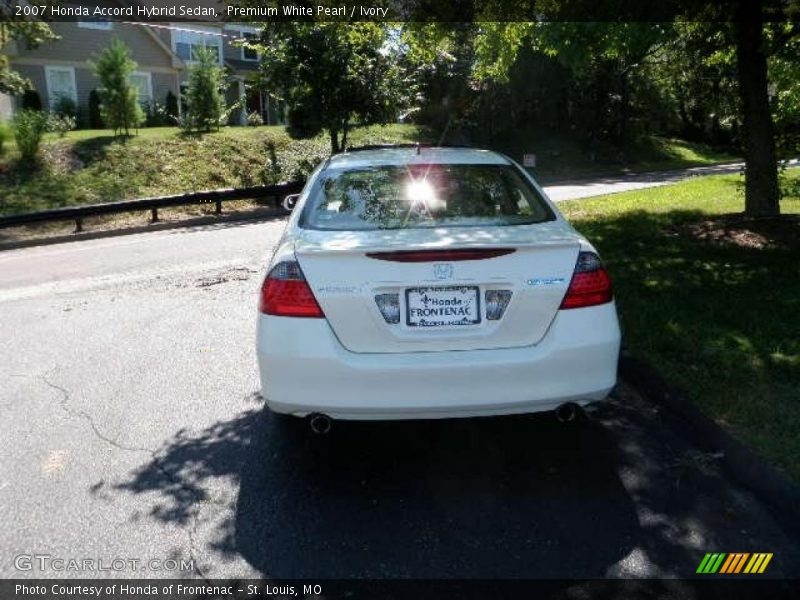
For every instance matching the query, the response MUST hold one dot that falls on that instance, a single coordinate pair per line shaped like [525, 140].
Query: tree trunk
[761, 168]
[334, 135]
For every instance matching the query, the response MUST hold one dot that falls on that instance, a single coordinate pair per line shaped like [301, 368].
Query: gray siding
[85, 81]
[36, 74]
[80, 44]
[163, 83]
[164, 34]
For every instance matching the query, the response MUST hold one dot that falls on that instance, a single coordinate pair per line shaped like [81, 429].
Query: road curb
[744, 466]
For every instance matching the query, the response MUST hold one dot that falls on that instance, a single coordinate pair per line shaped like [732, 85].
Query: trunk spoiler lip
[440, 254]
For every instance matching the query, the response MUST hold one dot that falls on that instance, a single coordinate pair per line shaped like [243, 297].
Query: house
[240, 63]
[163, 52]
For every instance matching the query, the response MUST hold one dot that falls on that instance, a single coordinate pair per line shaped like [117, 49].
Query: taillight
[285, 293]
[590, 283]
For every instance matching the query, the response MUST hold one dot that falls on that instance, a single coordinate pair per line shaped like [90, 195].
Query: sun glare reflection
[420, 190]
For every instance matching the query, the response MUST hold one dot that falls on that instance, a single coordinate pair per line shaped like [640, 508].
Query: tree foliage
[604, 83]
[31, 33]
[119, 101]
[332, 75]
[205, 101]
[29, 129]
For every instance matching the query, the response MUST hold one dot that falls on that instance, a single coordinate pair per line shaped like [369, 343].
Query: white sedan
[416, 283]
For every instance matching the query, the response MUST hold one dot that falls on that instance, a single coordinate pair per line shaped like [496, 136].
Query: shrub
[61, 124]
[204, 99]
[31, 100]
[254, 119]
[5, 133]
[29, 127]
[171, 107]
[119, 104]
[155, 114]
[95, 118]
[64, 106]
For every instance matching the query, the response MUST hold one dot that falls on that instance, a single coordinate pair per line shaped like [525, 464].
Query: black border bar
[444, 11]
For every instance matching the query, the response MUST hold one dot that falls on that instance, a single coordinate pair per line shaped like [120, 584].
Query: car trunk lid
[449, 273]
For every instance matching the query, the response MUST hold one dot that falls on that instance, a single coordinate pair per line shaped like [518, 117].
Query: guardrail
[78, 213]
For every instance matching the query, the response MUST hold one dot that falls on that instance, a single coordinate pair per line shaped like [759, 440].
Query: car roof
[422, 155]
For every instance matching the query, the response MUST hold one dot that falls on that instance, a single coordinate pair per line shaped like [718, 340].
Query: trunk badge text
[443, 271]
[337, 289]
[545, 281]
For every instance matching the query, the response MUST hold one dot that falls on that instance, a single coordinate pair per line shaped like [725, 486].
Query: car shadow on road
[504, 497]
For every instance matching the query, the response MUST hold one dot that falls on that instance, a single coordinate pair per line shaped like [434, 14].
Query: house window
[249, 53]
[187, 42]
[60, 83]
[143, 83]
[104, 25]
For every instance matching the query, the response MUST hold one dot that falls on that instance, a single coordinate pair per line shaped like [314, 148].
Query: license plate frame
[421, 324]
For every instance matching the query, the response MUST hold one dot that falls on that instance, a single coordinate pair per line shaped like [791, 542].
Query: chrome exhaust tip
[567, 412]
[319, 423]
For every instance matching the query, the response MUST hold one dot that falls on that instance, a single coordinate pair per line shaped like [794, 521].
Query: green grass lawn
[720, 320]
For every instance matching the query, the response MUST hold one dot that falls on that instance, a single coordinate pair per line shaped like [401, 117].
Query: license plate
[442, 306]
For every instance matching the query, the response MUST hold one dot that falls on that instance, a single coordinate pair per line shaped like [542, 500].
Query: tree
[332, 75]
[119, 100]
[755, 36]
[441, 57]
[204, 96]
[762, 193]
[760, 34]
[695, 74]
[32, 33]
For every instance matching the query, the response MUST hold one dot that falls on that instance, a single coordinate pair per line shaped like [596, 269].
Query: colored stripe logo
[734, 563]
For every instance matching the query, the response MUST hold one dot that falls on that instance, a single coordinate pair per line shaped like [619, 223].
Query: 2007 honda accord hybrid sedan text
[416, 283]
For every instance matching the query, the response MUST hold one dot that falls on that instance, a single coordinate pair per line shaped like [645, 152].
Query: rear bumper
[304, 369]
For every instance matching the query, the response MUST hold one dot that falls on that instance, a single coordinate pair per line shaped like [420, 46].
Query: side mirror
[288, 203]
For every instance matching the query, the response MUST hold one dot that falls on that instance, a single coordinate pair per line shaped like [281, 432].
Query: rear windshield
[415, 196]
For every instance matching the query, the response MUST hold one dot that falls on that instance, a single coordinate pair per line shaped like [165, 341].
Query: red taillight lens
[590, 283]
[285, 293]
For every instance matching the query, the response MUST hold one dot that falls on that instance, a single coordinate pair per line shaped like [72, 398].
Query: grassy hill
[91, 166]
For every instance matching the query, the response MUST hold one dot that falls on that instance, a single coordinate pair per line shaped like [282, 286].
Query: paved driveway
[598, 186]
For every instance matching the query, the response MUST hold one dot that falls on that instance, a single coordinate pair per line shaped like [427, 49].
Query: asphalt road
[131, 428]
